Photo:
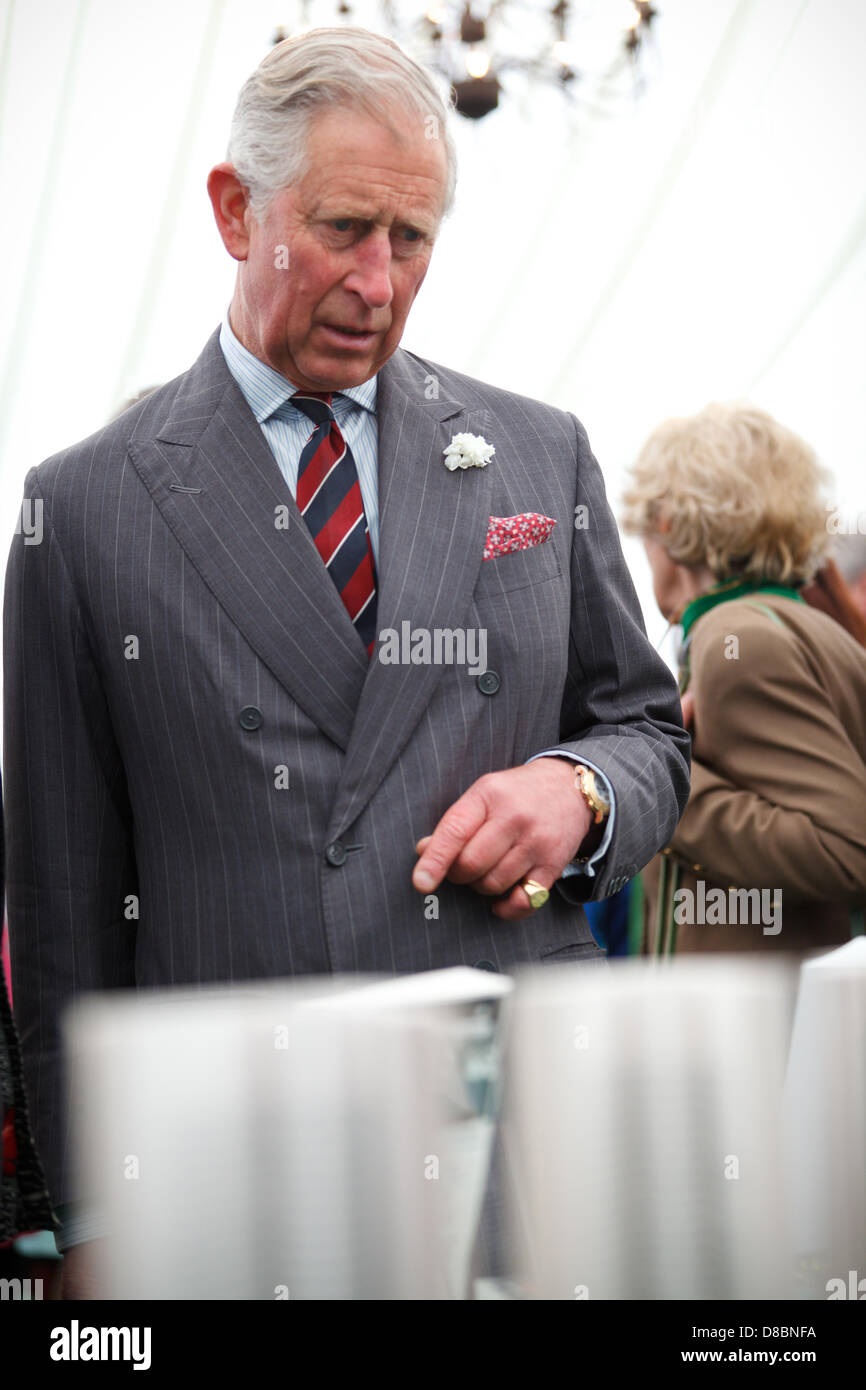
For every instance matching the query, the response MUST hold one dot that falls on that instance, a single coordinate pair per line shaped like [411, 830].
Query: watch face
[594, 789]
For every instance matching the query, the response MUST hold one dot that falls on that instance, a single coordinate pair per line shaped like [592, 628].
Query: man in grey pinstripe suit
[207, 777]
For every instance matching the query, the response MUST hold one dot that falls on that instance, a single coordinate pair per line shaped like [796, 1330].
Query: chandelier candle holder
[592, 51]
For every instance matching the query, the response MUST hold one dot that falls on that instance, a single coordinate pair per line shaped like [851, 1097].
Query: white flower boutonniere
[468, 451]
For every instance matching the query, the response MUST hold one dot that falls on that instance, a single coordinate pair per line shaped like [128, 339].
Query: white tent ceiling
[710, 242]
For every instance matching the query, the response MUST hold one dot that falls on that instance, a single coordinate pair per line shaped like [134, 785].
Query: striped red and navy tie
[329, 498]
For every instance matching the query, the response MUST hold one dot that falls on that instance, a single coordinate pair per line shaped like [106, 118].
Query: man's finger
[456, 827]
[483, 854]
[502, 875]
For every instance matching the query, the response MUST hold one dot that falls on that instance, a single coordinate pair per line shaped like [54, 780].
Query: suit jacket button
[336, 855]
[488, 682]
[486, 965]
[250, 717]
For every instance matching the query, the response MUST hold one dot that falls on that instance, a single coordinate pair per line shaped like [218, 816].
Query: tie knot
[316, 405]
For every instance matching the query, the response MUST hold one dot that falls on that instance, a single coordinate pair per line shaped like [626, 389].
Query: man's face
[359, 228]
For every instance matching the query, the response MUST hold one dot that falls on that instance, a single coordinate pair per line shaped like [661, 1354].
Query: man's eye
[411, 234]
[342, 224]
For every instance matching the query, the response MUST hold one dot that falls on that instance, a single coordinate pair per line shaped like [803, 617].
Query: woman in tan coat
[771, 850]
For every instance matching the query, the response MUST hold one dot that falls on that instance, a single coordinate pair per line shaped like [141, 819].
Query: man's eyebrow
[327, 212]
[425, 226]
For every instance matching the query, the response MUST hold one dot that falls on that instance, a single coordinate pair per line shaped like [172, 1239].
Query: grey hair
[325, 68]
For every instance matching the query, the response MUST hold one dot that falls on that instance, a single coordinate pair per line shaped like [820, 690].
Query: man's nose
[370, 277]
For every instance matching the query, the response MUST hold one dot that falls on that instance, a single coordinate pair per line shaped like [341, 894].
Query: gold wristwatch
[592, 793]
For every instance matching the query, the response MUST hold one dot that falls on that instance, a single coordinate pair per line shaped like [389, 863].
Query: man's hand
[78, 1277]
[527, 822]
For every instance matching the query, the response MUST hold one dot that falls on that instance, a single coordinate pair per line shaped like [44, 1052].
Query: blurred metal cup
[825, 1124]
[295, 1140]
[643, 1123]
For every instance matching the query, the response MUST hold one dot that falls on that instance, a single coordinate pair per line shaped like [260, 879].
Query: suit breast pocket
[504, 574]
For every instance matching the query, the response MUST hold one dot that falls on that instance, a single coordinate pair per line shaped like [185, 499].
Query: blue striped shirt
[265, 391]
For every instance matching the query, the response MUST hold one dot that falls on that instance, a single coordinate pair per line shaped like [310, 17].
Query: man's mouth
[349, 335]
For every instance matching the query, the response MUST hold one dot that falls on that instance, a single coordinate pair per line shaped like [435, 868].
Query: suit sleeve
[620, 709]
[778, 792]
[69, 851]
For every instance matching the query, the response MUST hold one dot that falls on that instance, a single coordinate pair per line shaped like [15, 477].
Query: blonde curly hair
[732, 489]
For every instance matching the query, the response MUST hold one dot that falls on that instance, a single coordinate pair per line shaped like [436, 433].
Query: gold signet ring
[536, 894]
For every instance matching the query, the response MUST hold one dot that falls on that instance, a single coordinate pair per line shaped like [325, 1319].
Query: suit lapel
[431, 537]
[215, 481]
[269, 578]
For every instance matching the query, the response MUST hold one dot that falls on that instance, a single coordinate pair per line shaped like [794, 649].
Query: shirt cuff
[79, 1222]
[607, 791]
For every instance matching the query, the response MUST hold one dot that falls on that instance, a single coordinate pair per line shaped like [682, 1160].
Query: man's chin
[338, 370]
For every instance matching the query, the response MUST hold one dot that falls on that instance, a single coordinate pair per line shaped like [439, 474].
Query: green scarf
[732, 588]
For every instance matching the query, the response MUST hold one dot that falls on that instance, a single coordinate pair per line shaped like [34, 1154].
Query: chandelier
[592, 51]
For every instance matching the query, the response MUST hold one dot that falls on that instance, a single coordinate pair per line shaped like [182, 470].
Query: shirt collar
[265, 389]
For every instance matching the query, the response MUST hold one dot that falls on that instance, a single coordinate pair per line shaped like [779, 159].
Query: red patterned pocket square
[507, 533]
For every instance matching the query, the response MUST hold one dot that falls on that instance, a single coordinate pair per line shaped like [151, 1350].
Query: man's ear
[230, 203]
